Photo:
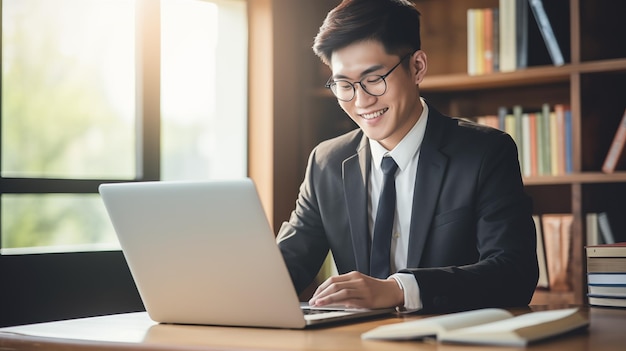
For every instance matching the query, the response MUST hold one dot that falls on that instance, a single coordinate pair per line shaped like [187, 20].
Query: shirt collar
[408, 146]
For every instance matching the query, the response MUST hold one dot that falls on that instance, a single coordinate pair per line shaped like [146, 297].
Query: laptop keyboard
[313, 313]
[310, 311]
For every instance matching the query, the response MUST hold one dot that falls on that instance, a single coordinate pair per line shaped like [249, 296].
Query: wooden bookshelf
[592, 83]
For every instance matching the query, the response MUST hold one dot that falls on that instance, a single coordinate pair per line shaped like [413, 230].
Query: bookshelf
[592, 82]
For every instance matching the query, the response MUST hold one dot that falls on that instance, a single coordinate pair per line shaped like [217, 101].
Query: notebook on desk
[202, 252]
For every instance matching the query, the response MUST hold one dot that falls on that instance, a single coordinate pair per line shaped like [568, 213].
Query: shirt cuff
[411, 290]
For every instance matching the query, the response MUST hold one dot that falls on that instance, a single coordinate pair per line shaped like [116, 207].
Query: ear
[419, 64]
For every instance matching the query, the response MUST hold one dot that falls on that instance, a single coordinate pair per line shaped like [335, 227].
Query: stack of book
[606, 274]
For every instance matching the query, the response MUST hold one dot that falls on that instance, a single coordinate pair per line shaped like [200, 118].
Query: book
[471, 42]
[607, 301]
[546, 32]
[479, 41]
[507, 34]
[557, 242]
[510, 127]
[544, 140]
[521, 33]
[616, 148]
[489, 326]
[606, 250]
[592, 230]
[502, 113]
[606, 264]
[495, 50]
[532, 122]
[487, 18]
[606, 278]
[543, 281]
[610, 290]
[605, 228]
[569, 146]
[554, 144]
[559, 151]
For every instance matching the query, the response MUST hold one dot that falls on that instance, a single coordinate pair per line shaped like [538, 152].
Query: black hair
[394, 23]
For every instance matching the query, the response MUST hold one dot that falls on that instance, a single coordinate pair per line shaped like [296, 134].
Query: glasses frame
[330, 83]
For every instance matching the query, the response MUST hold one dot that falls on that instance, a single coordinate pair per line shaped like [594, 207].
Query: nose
[361, 97]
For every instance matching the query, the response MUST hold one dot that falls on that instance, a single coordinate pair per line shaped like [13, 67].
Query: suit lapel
[430, 172]
[355, 179]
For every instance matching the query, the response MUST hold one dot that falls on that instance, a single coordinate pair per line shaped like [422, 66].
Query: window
[204, 89]
[100, 91]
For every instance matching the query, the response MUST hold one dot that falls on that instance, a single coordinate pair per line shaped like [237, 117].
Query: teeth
[374, 114]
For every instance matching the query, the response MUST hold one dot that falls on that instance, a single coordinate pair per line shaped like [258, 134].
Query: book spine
[606, 278]
[605, 228]
[617, 146]
[569, 151]
[507, 36]
[606, 264]
[540, 131]
[606, 301]
[521, 33]
[606, 250]
[592, 231]
[532, 121]
[546, 32]
[554, 144]
[510, 127]
[495, 12]
[471, 43]
[545, 140]
[559, 112]
[487, 18]
[502, 112]
[480, 41]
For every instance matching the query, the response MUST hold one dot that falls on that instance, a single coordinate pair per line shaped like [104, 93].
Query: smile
[374, 114]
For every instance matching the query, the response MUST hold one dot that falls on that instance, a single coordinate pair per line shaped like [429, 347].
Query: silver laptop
[202, 252]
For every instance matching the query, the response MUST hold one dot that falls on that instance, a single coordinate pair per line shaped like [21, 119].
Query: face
[389, 117]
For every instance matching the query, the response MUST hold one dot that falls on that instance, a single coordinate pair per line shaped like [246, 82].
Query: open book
[485, 326]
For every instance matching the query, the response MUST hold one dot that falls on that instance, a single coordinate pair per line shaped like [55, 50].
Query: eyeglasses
[372, 84]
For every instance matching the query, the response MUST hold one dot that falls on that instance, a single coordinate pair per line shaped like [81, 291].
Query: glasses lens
[343, 90]
[374, 85]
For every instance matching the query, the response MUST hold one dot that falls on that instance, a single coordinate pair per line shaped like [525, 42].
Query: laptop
[202, 252]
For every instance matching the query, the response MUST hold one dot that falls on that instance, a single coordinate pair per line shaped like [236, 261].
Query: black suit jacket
[472, 239]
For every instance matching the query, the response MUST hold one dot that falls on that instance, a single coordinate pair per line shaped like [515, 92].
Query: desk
[135, 331]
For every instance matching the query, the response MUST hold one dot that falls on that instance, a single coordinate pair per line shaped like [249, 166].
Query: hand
[357, 290]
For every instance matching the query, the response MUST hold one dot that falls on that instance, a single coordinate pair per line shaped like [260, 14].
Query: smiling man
[421, 211]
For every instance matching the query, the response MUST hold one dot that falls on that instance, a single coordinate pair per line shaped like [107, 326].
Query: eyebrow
[363, 74]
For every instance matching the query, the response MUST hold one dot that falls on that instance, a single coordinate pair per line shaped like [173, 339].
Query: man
[459, 234]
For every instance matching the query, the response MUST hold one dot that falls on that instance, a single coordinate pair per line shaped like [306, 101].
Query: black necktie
[383, 226]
